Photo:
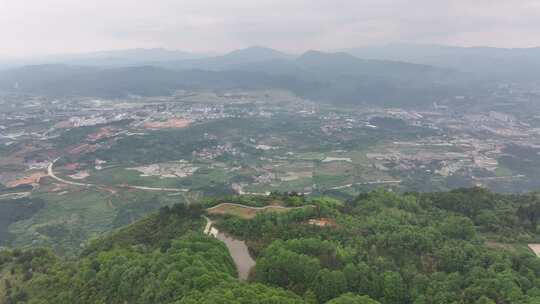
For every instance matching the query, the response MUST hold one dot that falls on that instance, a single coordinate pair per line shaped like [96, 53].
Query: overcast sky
[29, 27]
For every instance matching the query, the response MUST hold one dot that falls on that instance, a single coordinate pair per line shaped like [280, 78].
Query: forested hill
[465, 246]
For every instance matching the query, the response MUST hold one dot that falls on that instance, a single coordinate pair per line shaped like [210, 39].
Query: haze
[37, 27]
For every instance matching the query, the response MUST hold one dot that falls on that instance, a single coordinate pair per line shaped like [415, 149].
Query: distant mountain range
[327, 77]
[66, 80]
[342, 77]
[499, 63]
[117, 58]
[230, 60]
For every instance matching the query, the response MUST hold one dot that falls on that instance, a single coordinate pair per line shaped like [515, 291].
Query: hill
[450, 247]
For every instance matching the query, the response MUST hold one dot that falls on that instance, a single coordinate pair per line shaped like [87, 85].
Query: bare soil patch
[535, 248]
[244, 212]
[32, 179]
[174, 123]
[102, 133]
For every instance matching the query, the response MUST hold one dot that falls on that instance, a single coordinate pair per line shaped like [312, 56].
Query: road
[379, 182]
[51, 173]
[14, 195]
[155, 189]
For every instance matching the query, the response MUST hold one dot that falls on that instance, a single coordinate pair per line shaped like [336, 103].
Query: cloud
[63, 26]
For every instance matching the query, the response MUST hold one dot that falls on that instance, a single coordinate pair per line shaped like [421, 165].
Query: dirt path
[208, 225]
[256, 208]
[246, 212]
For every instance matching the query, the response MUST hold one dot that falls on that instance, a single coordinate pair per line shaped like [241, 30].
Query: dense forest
[465, 246]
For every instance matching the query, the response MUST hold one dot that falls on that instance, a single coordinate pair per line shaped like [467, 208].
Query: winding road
[51, 173]
[14, 195]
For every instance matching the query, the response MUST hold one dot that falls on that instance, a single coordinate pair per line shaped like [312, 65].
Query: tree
[350, 298]
[484, 300]
[329, 284]
[282, 267]
[395, 290]
[458, 227]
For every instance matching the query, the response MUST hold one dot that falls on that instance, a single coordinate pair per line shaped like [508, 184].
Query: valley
[128, 157]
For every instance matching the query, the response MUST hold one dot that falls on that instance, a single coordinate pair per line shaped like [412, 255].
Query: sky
[39, 27]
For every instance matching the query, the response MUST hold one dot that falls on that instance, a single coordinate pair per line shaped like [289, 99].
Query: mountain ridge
[502, 64]
[326, 77]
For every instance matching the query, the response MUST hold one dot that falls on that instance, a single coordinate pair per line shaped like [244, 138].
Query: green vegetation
[66, 220]
[156, 230]
[75, 136]
[157, 260]
[313, 75]
[522, 160]
[317, 154]
[457, 247]
[416, 248]
[16, 210]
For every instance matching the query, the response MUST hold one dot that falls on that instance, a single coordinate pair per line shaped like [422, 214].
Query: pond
[240, 254]
[237, 248]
